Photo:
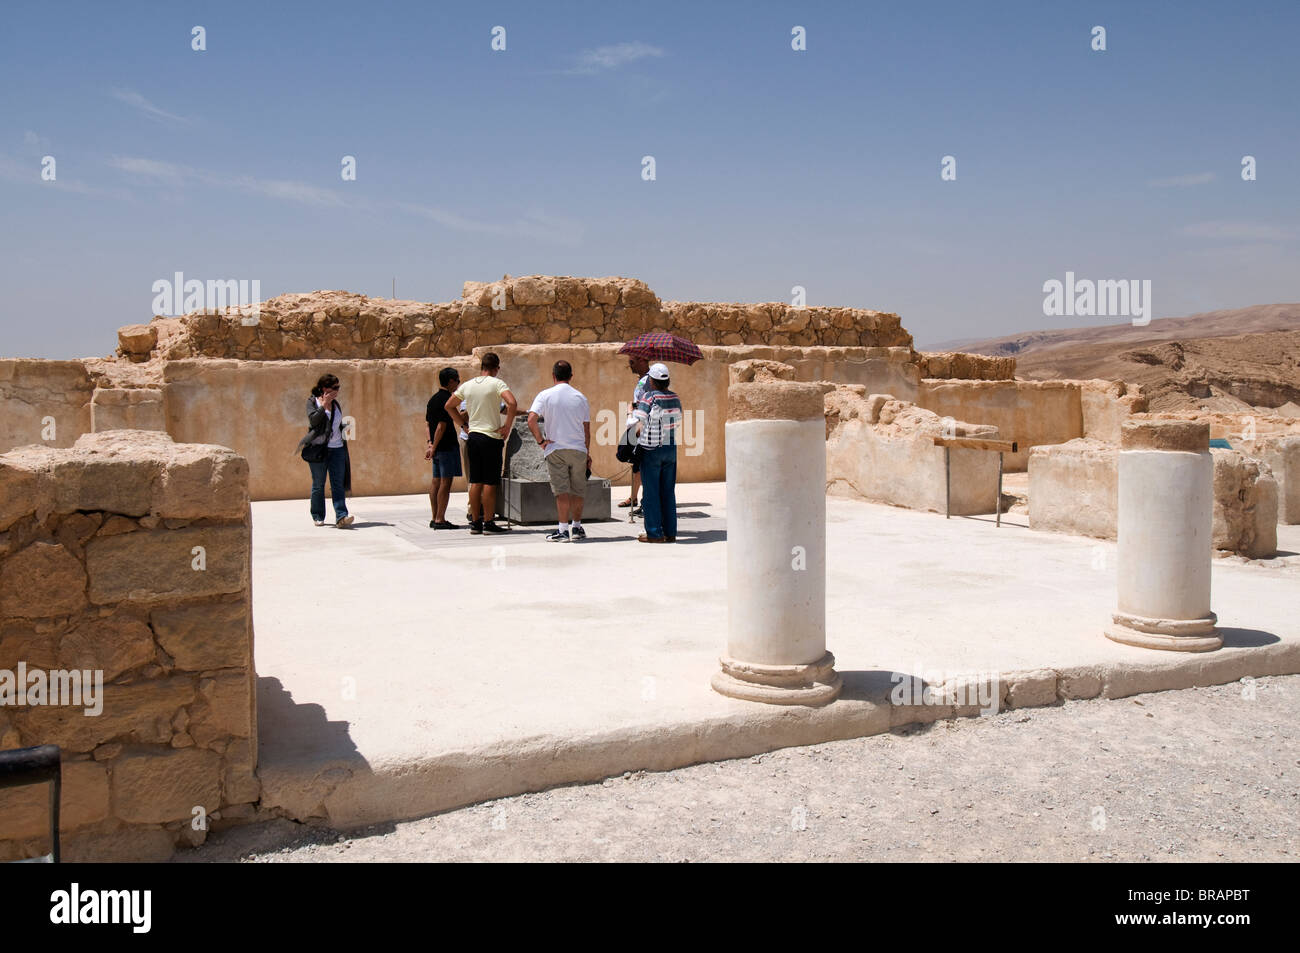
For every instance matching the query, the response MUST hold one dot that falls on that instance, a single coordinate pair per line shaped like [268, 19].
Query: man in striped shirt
[659, 416]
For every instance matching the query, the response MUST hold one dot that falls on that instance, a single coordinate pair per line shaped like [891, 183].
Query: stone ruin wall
[98, 571]
[177, 374]
[1035, 413]
[538, 309]
[882, 449]
[1074, 488]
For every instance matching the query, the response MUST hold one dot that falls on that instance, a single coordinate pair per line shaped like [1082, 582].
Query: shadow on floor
[289, 732]
[1246, 638]
[703, 536]
[872, 685]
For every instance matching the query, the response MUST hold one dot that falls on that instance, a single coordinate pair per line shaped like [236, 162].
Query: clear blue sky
[775, 168]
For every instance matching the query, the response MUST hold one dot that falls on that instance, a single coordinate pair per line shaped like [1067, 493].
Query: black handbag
[314, 452]
[628, 450]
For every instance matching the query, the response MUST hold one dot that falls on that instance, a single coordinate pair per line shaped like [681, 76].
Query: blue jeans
[335, 465]
[659, 491]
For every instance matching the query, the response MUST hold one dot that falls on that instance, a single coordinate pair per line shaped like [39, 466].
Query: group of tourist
[468, 423]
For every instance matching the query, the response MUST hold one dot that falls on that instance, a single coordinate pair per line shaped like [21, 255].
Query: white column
[1166, 514]
[776, 547]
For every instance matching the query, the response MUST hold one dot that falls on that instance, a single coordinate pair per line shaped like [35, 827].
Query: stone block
[209, 635]
[140, 712]
[42, 580]
[21, 642]
[603, 290]
[1282, 455]
[201, 481]
[1245, 505]
[533, 290]
[75, 528]
[159, 565]
[1031, 689]
[22, 492]
[154, 787]
[26, 810]
[113, 645]
[1074, 488]
[240, 785]
[120, 408]
[532, 502]
[141, 846]
[222, 710]
[137, 340]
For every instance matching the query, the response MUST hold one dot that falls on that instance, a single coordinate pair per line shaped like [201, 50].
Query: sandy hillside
[1244, 360]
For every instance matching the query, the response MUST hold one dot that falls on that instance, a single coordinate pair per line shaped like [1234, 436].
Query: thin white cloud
[132, 98]
[533, 225]
[1238, 231]
[172, 174]
[27, 171]
[289, 190]
[604, 58]
[153, 168]
[1183, 181]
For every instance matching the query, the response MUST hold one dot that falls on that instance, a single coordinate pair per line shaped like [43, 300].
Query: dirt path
[1204, 774]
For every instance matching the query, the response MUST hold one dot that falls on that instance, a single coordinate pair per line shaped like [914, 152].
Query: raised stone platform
[546, 663]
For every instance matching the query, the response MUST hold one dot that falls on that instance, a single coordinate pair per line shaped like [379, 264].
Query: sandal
[628, 502]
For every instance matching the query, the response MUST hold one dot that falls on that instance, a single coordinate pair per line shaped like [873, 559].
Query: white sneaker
[319, 522]
[345, 522]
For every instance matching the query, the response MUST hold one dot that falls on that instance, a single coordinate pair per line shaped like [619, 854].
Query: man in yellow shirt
[485, 449]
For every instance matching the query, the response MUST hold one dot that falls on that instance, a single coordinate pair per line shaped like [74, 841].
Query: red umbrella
[662, 346]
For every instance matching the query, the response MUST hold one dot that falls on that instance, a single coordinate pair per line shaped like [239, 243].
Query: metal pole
[947, 483]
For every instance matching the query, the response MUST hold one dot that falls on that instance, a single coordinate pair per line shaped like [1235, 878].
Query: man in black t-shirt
[441, 447]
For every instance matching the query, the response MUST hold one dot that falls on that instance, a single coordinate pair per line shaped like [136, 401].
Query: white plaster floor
[390, 645]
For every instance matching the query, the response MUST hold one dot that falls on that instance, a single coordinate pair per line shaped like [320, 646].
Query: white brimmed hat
[659, 372]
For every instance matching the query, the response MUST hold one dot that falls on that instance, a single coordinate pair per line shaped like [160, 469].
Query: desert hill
[1244, 360]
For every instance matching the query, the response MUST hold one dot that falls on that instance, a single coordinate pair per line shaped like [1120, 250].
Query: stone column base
[814, 684]
[1174, 635]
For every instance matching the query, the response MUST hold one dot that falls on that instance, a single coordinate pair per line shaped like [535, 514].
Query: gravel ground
[1198, 775]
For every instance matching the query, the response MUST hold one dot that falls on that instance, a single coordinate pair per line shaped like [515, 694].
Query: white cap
[659, 372]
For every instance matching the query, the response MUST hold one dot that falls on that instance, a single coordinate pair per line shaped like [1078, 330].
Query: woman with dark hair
[326, 452]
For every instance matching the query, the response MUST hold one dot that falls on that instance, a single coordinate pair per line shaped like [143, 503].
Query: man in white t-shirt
[567, 447]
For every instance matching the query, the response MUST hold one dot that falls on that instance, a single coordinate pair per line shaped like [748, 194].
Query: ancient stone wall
[882, 449]
[1074, 488]
[1028, 412]
[256, 407]
[1238, 429]
[958, 365]
[128, 555]
[1282, 456]
[536, 309]
[44, 402]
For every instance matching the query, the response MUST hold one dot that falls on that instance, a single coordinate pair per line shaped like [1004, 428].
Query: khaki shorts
[568, 471]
